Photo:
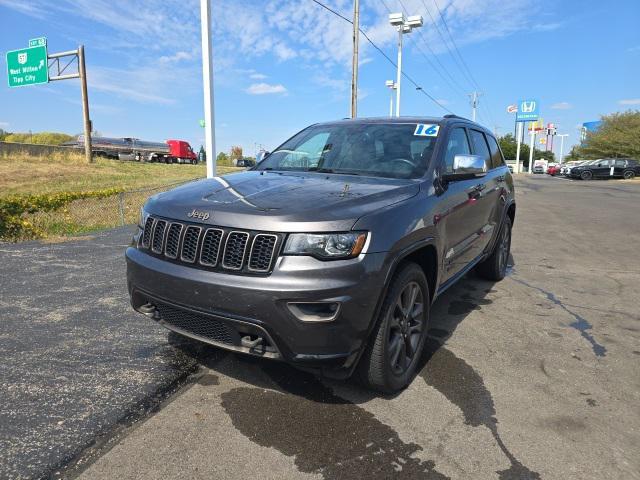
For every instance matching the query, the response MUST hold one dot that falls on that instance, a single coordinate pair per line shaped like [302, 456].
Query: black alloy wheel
[629, 174]
[586, 175]
[406, 323]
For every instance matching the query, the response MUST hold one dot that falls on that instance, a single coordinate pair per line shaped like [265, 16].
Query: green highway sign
[27, 66]
[38, 42]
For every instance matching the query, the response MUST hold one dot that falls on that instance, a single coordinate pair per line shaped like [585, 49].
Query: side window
[480, 147]
[458, 145]
[621, 163]
[496, 154]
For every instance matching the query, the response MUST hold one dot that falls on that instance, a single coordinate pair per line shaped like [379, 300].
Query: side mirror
[466, 167]
[261, 156]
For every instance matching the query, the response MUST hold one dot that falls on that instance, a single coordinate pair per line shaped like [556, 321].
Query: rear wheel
[586, 175]
[389, 363]
[495, 267]
[629, 174]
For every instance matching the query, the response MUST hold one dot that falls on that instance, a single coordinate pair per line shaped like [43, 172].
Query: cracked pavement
[532, 377]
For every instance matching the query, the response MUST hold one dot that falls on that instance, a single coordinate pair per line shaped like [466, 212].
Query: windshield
[385, 150]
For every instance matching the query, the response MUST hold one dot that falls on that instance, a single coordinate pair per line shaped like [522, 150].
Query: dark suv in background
[329, 253]
[607, 168]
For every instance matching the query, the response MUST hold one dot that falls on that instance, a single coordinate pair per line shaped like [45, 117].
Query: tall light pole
[404, 25]
[562, 145]
[354, 68]
[207, 84]
[475, 100]
[531, 148]
[391, 85]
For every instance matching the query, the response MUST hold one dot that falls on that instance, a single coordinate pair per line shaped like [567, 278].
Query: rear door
[490, 187]
[601, 168]
[459, 216]
[619, 167]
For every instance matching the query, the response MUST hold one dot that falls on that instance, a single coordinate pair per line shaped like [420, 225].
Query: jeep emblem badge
[199, 215]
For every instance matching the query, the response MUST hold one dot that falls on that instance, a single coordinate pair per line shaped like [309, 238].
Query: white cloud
[265, 89]
[257, 76]
[630, 101]
[634, 49]
[176, 57]
[561, 106]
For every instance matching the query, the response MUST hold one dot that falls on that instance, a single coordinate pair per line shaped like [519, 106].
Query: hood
[282, 202]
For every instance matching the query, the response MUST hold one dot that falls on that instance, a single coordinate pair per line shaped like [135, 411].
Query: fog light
[315, 311]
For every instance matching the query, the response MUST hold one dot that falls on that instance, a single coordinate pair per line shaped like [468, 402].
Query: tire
[629, 175]
[381, 368]
[194, 161]
[586, 175]
[494, 268]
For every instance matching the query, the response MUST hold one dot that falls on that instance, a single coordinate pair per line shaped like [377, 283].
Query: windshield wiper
[330, 170]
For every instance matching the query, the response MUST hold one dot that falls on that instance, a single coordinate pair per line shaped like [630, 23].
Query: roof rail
[451, 115]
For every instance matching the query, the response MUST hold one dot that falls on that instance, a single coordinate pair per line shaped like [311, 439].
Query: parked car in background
[607, 168]
[572, 165]
[553, 170]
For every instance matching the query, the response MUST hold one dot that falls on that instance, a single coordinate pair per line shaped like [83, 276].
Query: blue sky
[281, 65]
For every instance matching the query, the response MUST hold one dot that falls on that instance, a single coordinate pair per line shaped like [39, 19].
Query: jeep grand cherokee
[329, 253]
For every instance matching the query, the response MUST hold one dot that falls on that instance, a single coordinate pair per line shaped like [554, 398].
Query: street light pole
[392, 86]
[404, 25]
[532, 146]
[207, 84]
[354, 70]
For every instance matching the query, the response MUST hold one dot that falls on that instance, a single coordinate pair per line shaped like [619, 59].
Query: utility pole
[207, 84]
[475, 100]
[520, 127]
[354, 69]
[391, 85]
[85, 104]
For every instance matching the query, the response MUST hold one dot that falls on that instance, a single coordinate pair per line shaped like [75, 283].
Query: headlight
[326, 246]
[142, 217]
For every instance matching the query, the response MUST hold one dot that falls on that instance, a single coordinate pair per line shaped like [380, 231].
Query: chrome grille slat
[148, 231]
[210, 250]
[214, 248]
[157, 242]
[172, 245]
[234, 250]
[190, 242]
[262, 249]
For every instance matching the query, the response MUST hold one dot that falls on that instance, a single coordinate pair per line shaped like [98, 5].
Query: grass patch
[22, 173]
[67, 172]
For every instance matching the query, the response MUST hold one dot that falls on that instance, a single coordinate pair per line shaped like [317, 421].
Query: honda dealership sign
[528, 111]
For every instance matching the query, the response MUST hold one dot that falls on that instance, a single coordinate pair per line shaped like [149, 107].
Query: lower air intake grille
[196, 324]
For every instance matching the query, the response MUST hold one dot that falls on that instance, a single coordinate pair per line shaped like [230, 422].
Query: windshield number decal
[425, 130]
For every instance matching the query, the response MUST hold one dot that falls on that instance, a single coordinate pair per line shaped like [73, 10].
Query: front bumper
[257, 306]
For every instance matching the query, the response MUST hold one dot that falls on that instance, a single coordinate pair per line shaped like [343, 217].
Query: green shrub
[13, 211]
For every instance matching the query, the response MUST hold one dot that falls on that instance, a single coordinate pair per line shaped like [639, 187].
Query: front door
[460, 216]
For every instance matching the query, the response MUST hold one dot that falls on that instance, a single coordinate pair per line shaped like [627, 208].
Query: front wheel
[495, 266]
[586, 175]
[629, 175]
[390, 361]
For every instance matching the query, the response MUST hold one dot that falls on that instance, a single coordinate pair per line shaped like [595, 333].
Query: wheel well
[427, 258]
[512, 213]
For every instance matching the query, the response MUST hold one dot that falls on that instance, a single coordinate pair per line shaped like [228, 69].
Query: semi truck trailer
[134, 149]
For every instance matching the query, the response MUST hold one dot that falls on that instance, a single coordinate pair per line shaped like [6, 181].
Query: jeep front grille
[211, 248]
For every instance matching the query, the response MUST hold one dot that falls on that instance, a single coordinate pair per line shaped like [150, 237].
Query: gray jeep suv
[330, 251]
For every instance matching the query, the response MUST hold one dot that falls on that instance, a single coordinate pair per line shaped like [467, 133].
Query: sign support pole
[207, 84]
[533, 145]
[85, 105]
[520, 125]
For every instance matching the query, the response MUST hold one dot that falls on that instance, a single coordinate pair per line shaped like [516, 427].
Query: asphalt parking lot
[533, 377]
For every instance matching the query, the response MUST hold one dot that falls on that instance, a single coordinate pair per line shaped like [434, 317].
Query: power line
[446, 44]
[364, 34]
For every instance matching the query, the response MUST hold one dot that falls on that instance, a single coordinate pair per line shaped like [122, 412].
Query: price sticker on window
[426, 130]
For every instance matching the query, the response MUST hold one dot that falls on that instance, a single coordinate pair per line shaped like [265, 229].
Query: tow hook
[149, 310]
[251, 344]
